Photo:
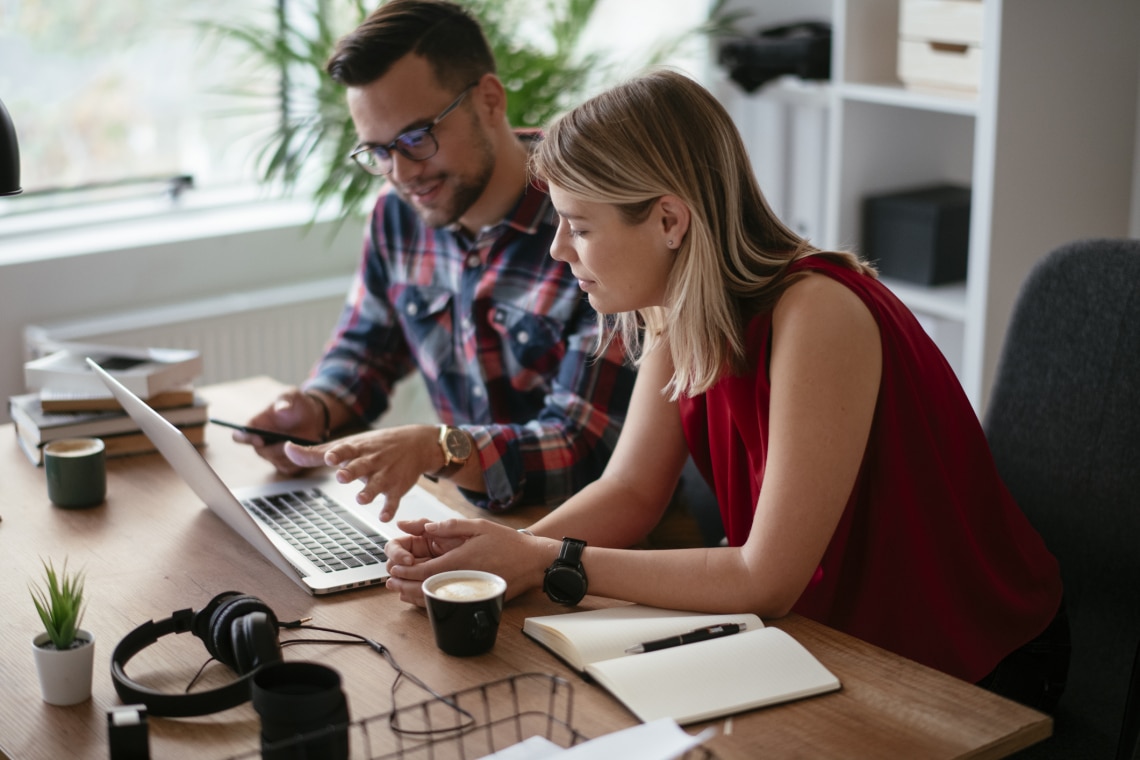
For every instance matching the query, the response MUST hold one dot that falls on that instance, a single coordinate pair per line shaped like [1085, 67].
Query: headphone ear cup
[254, 642]
[220, 639]
[202, 620]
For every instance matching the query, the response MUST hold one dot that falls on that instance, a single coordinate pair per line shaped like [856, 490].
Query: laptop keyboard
[320, 528]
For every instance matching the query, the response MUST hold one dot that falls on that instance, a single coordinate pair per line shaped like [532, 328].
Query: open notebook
[311, 529]
[689, 683]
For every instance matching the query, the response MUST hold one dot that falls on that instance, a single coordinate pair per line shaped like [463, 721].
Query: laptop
[311, 529]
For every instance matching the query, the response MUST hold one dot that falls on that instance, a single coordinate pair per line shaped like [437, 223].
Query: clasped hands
[462, 544]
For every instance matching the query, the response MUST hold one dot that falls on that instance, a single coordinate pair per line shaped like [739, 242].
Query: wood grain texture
[153, 548]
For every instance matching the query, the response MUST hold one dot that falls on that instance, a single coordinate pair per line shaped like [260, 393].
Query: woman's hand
[460, 544]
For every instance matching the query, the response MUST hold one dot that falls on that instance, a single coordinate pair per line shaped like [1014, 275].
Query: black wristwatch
[565, 580]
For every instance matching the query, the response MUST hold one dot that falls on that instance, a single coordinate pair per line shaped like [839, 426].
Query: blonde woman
[853, 477]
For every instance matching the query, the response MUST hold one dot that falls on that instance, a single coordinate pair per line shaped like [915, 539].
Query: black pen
[700, 634]
[269, 436]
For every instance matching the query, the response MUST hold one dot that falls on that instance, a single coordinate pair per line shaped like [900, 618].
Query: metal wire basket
[465, 725]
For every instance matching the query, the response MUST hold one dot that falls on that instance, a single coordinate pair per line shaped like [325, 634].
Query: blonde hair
[664, 134]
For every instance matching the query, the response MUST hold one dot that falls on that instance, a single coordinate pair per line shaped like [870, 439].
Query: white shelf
[1045, 146]
[897, 95]
[796, 91]
[944, 301]
[1042, 172]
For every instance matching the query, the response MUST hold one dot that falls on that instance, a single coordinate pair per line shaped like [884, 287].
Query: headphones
[238, 630]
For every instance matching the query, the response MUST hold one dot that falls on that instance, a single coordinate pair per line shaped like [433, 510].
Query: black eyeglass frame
[376, 159]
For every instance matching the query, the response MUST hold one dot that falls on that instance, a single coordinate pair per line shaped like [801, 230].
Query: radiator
[277, 331]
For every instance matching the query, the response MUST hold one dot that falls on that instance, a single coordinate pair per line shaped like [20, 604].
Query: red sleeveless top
[932, 559]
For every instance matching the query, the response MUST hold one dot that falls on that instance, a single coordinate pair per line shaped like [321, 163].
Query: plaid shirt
[504, 339]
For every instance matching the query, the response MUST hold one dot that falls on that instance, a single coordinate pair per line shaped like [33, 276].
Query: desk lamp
[9, 155]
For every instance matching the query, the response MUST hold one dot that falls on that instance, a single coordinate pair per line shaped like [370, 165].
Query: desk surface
[153, 548]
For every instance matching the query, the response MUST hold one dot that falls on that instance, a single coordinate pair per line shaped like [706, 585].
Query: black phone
[269, 436]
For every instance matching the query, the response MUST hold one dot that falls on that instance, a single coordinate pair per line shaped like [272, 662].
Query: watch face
[458, 444]
[564, 585]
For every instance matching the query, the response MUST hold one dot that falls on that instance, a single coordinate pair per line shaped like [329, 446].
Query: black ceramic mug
[303, 710]
[465, 607]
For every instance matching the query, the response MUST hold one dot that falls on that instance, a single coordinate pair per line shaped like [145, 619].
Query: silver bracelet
[525, 532]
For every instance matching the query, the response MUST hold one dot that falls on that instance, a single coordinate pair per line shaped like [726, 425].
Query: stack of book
[65, 399]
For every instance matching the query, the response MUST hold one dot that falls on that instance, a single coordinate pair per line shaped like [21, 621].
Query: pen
[700, 634]
[269, 436]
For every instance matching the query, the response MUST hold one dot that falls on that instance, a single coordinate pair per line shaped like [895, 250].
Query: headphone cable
[393, 721]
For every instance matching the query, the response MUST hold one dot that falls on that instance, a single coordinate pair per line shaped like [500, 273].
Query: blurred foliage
[543, 74]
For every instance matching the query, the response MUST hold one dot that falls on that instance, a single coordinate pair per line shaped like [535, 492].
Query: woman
[852, 474]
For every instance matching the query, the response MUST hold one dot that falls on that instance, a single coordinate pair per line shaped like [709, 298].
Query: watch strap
[568, 564]
[571, 551]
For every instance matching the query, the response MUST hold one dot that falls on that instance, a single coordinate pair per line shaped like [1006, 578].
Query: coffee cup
[76, 472]
[303, 711]
[465, 607]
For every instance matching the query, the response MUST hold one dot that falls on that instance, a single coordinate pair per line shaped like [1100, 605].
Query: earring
[670, 244]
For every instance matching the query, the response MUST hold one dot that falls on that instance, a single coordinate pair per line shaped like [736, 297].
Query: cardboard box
[940, 44]
[920, 235]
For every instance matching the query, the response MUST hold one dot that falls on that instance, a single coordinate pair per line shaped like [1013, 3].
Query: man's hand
[292, 412]
[388, 461]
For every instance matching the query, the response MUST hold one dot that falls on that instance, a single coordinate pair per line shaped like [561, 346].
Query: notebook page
[695, 682]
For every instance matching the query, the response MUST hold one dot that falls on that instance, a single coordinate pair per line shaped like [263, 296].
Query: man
[456, 281]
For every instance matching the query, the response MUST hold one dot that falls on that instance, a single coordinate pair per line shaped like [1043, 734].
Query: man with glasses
[456, 281]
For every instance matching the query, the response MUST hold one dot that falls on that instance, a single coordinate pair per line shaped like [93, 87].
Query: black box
[920, 235]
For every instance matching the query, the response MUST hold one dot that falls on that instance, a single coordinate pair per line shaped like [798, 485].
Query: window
[114, 98]
[110, 92]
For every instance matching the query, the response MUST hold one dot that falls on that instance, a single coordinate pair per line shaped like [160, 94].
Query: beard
[460, 191]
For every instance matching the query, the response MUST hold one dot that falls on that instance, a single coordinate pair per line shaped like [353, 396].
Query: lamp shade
[9, 155]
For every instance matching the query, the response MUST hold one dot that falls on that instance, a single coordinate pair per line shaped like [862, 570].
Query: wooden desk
[153, 548]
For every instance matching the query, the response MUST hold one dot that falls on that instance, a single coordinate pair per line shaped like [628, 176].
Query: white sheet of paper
[660, 740]
[534, 748]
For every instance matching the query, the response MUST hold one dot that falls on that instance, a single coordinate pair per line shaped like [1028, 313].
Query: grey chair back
[1064, 425]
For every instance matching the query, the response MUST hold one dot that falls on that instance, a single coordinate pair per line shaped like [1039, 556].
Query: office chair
[1064, 426]
[1129, 745]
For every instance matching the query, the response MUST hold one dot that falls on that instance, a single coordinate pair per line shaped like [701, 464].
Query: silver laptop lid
[188, 462]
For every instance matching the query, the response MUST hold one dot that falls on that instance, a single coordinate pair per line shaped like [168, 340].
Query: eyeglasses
[416, 144]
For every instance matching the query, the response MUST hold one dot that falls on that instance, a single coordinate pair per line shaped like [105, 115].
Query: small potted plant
[64, 652]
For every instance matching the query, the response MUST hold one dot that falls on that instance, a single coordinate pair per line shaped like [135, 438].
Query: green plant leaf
[59, 603]
[543, 74]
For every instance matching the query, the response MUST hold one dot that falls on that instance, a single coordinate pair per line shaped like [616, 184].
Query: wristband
[324, 410]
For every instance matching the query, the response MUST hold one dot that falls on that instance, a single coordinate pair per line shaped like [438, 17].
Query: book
[689, 683]
[41, 427]
[53, 400]
[145, 371]
[120, 444]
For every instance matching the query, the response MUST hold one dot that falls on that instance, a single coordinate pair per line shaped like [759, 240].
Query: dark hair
[442, 32]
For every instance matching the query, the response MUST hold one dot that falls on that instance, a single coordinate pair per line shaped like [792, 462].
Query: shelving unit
[1046, 145]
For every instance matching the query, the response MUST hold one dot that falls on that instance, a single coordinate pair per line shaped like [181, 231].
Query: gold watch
[457, 448]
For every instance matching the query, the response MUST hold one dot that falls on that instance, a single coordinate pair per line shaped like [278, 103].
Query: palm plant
[60, 604]
[314, 127]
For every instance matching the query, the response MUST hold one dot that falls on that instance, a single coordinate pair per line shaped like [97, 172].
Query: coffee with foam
[466, 589]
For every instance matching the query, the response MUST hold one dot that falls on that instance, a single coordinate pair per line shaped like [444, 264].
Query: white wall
[109, 268]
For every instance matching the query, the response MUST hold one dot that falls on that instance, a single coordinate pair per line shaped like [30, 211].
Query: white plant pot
[65, 675]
